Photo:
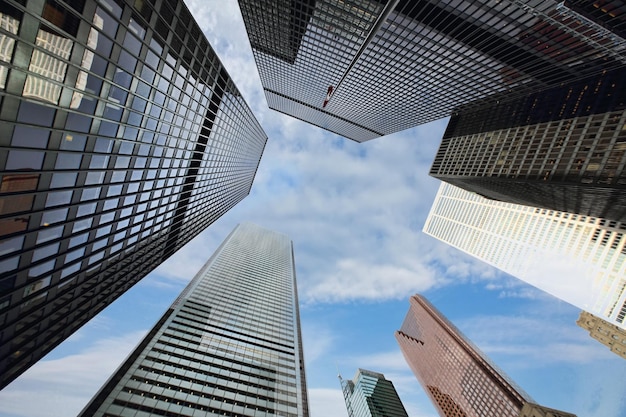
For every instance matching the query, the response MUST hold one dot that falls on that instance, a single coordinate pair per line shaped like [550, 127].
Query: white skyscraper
[578, 259]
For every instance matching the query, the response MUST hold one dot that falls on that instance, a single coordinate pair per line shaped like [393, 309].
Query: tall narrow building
[229, 345]
[123, 137]
[367, 68]
[370, 394]
[460, 380]
[579, 259]
[563, 148]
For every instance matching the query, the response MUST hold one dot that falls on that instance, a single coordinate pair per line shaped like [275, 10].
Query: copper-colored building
[459, 379]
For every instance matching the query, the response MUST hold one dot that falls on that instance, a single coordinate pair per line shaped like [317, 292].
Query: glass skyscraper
[123, 137]
[367, 68]
[229, 345]
[369, 394]
[459, 379]
[579, 259]
[563, 148]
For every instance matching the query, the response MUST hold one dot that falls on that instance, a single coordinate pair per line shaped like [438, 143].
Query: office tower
[229, 345]
[459, 379]
[579, 259]
[123, 137]
[369, 394]
[367, 68]
[604, 332]
[563, 148]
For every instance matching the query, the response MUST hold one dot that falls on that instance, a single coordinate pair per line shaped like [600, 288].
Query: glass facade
[459, 379]
[563, 148]
[123, 137]
[579, 259]
[230, 345]
[369, 394]
[367, 68]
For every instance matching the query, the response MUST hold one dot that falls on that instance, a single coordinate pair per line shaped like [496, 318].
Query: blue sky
[355, 213]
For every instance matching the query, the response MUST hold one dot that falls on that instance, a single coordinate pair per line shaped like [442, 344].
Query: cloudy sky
[355, 213]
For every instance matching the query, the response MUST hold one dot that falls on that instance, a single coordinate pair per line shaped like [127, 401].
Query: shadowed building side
[123, 137]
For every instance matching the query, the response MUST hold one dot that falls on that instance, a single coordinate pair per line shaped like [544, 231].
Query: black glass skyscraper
[367, 68]
[230, 345]
[563, 148]
[370, 394]
[122, 138]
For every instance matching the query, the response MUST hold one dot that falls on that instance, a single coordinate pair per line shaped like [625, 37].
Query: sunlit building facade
[230, 344]
[367, 68]
[563, 148]
[370, 394]
[604, 332]
[579, 259]
[123, 137]
[459, 379]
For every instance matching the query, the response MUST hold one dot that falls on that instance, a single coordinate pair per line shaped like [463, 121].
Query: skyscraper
[604, 332]
[123, 137]
[579, 259]
[369, 394]
[563, 148]
[367, 68]
[459, 379]
[229, 345]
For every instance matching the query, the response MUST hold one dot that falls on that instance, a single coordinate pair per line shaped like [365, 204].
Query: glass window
[45, 251]
[49, 233]
[63, 179]
[70, 270]
[99, 161]
[25, 160]
[111, 204]
[118, 176]
[53, 216]
[36, 286]
[58, 198]
[35, 114]
[90, 194]
[103, 145]
[81, 225]
[86, 209]
[73, 142]
[79, 240]
[127, 62]
[73, 255]
[11, 245]
[95, 177]
[78, 122]
[9, 264]
[68, 161]
[126, 148]
[30, 137]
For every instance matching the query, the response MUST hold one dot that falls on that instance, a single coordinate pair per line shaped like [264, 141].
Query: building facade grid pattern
[229, 345]
[140, 142]
[370, 394]
[460, 380]
[423, 61]
[579, 259]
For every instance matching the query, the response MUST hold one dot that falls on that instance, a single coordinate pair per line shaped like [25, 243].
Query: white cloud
[326, 402]
[62, 387]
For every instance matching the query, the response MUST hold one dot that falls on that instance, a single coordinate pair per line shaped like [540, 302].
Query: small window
[25, 160]
[30, 137]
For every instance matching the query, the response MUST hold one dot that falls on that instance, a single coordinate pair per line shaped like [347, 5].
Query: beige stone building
[604, 332]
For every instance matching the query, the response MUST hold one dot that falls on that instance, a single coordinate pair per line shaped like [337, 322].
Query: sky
[355, 214]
